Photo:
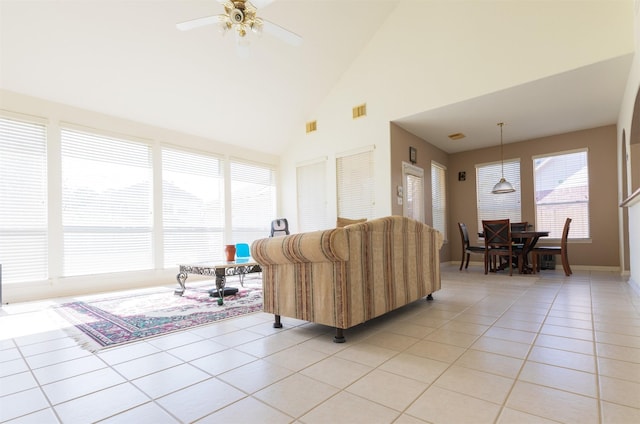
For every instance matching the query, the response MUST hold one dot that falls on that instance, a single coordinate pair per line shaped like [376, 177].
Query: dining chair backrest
[565, 233]
[497, 233]
[279, 227]
[519, 226]
[464, 234]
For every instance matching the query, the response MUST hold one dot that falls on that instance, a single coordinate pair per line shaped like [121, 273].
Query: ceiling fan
[241, 16]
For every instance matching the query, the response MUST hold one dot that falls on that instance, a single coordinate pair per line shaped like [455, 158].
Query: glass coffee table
[220, 270]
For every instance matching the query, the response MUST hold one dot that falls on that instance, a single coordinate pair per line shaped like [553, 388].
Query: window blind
[23, 196]
[413, 187]
[192, 207]
[311, 196]
[561, 184]
[439, 197]
[355, 185]
[106, 204]
[253, 201]
[498, 206]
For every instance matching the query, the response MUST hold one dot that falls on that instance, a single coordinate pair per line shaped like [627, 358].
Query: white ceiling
[126, 59]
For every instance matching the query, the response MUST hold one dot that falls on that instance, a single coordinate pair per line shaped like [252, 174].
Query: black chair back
[279, 227]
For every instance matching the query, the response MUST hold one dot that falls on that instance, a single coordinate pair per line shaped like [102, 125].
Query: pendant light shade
[503, 185]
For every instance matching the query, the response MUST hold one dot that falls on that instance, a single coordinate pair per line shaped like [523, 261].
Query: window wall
[119, 203]
[23, 199]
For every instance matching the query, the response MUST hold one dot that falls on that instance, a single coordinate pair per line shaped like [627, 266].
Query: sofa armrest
[317, 246]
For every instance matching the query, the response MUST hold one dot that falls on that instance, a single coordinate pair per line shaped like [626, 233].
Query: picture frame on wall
[413, 155]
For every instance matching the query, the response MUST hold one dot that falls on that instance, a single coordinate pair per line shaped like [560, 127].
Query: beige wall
[401, 140]
[603, 248]
[601, 251]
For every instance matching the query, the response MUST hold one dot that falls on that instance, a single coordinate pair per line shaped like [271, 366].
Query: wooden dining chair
[554, 250]
[517, 241]
[498, 244]
[467, 248]
[519, 226]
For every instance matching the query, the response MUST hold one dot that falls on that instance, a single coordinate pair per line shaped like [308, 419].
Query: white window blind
[562, 191]
[253, 201]
[311, 196]
[498, 206]
[23, 196]
[413, 188]
[106, 204]
[192, 207]
[439, 197]
[355, 185]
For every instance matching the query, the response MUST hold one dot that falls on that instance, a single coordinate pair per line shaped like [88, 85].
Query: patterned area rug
[109, 321]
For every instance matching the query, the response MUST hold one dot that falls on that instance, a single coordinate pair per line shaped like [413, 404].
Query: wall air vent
[312, 126]
[360, 111]
[456, 136]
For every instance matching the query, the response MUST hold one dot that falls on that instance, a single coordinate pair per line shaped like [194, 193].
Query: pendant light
[503, 185]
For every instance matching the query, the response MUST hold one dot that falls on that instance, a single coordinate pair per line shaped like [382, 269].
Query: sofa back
[345, 276]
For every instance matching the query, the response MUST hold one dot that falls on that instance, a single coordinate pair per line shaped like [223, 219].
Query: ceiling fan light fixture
[241, 16]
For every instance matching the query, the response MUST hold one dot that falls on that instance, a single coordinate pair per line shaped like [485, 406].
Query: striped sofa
[345, 276]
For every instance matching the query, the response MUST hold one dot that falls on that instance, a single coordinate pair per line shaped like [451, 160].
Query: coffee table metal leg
[220, 282]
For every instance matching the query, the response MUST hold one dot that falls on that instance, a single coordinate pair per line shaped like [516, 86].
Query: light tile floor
[494, 349]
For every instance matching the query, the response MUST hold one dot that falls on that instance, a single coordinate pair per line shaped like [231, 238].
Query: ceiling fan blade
[282, 33]
[196, 23]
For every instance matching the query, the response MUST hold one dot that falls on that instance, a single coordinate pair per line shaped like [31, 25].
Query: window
[312, 198]
[192, 207]
[439, 197]
[561, 184]
[355, 184]
[413, 187]
[106, 204]
[253, 201]
[23, 196]
[498, 206]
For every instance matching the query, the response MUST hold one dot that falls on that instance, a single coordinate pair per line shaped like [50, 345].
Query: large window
[439, 197]
[253, 201]
[192, 206]
[355, 184]
[311, 196]
[562, 191]
[106, 204]
[23, 196]
[498, 206]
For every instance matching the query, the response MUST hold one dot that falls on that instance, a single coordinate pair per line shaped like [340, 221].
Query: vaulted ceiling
[127, 59]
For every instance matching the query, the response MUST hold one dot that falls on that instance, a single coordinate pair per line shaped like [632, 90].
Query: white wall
[54, 114]
[430, 54]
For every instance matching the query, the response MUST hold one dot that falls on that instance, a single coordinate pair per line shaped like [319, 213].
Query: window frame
[580, 223]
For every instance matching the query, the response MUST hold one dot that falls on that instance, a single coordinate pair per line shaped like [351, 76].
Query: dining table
[528, 239]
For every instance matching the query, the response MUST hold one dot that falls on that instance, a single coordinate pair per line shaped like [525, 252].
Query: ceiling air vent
[312, 126]
[456, 136]
[360, 111]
